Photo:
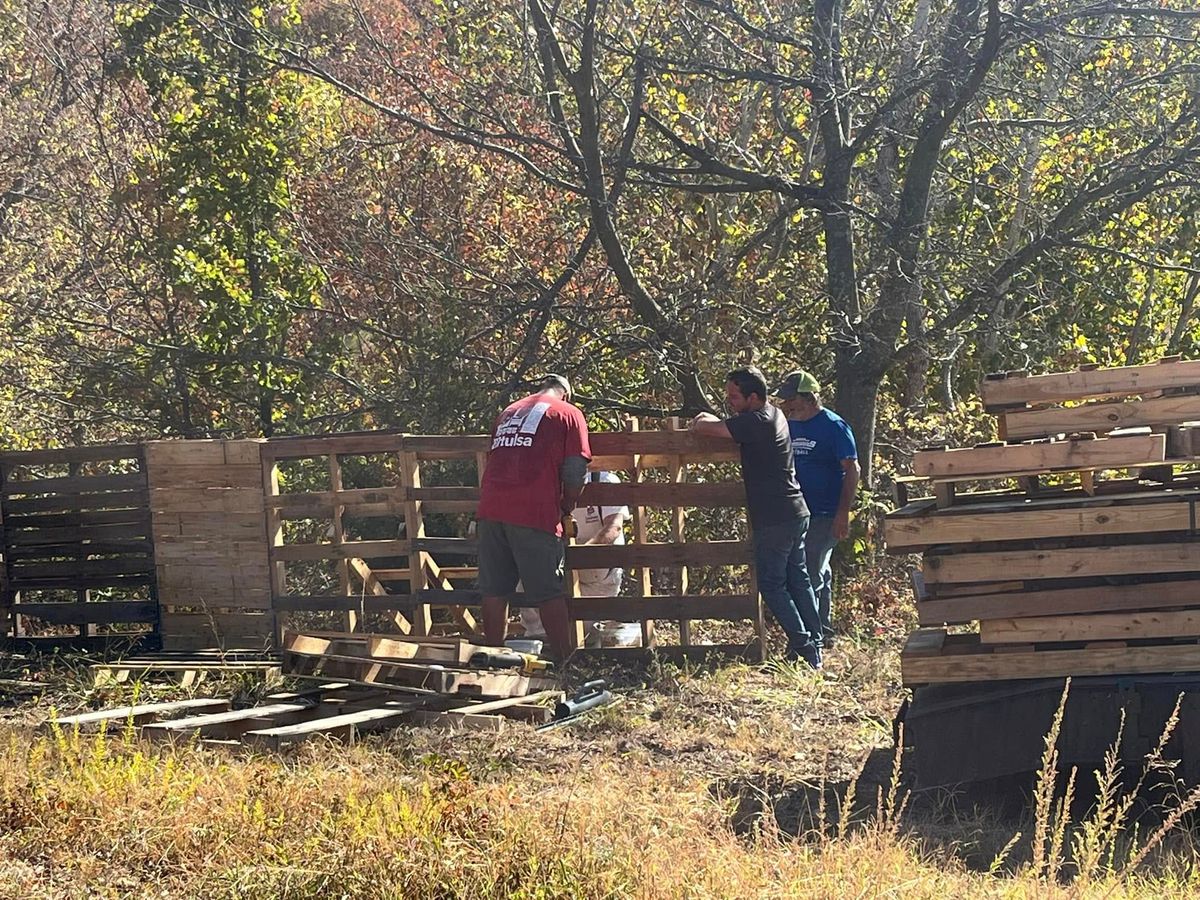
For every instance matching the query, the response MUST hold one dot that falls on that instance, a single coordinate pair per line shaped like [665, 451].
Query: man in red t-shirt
[535, 472]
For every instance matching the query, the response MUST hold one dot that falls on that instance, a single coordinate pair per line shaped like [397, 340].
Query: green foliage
[216, 184]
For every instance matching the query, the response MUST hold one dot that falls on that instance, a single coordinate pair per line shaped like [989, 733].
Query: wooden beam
[1066, 601]
[346, 550]
[1102, 417]
[1023, 459]
[1085, 385]
[76, 484]
[731, 607]
[139, 714]
[346, 726]
[650, 493]
[94, 612]
[1074, 562]
[91, 453]
[964, 659]
[1120, 626]
[911, 533]
[700, 553]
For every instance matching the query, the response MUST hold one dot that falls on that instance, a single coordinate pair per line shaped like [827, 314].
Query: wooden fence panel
[78, 549]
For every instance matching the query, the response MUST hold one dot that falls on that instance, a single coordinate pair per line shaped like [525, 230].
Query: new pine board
[1058, 387]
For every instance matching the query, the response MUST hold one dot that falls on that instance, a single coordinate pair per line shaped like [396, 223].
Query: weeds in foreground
[111, 815]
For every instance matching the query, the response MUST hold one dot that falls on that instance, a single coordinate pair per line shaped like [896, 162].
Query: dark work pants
[785, 587]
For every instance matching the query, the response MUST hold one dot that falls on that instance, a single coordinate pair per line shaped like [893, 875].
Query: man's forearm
[849, 489]
[573, 474]
[708, 425]
[612, 528]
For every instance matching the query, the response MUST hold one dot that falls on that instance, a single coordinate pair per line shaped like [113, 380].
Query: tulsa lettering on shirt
[519, 426]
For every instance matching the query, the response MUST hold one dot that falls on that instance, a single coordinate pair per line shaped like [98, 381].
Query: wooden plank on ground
[1074, 562]
[1102, 417]
[139, 714]
[1014, 459]
[1103, 627]
[226, 724]
[346, 726]
[965, 659]
[1057, 387]
[910, 533]
[1126, 599]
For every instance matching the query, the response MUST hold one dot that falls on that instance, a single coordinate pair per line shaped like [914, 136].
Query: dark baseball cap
[798, 382]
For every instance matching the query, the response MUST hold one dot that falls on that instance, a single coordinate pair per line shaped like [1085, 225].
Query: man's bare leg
[495, 620]
[556, 620]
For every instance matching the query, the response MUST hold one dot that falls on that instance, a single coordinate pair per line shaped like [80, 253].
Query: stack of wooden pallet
[209, 519]
[1086, 559]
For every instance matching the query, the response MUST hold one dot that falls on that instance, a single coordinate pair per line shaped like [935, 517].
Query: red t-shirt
[522, 484]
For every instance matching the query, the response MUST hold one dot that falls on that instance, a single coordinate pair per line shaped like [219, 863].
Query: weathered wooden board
[1057, 387]
[1126, 599]
[226, 724]
[346, 726]
[906, 534]
[731, 607]
[1018, 459]
[1101, 417]
[1074, 562]
[711, 553]
[963, 658]
[1120, 626]
[139, 714]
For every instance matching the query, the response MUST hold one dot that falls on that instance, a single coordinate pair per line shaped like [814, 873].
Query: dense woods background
[238, 218]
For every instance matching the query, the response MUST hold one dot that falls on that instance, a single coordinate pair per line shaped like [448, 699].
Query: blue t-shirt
[819, 446]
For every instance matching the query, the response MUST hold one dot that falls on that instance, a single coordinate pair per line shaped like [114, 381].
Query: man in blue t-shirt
[826, 461]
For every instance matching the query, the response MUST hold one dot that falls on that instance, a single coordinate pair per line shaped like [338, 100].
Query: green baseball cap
[799, 382]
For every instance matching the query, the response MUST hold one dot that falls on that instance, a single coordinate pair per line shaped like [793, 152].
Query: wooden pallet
[186, 669]
[992, 602]
[920, 525]
[1001, 460]
[1006, 390]
[332, 710]
[932, 656]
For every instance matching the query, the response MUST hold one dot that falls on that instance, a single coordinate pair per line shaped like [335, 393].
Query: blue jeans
[818, 550]
[785, 587]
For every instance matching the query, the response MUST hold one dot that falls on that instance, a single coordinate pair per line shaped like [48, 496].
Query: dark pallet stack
[78, 554]
[1086, 559]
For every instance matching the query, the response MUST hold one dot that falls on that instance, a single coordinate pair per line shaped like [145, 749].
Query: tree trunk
[857, 401]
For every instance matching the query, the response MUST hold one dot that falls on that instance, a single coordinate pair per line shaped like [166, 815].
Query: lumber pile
[359, 683]
[1085, 560]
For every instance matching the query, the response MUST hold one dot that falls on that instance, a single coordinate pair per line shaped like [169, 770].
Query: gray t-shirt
[772, 494]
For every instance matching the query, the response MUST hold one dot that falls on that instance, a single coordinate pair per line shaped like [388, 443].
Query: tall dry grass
[111, 816]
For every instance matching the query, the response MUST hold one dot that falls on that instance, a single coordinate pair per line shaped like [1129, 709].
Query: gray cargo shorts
[511, 553]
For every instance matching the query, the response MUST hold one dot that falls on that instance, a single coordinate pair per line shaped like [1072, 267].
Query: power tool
[498, 658]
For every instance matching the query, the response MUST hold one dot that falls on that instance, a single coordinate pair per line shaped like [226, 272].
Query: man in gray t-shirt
[778, 514]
